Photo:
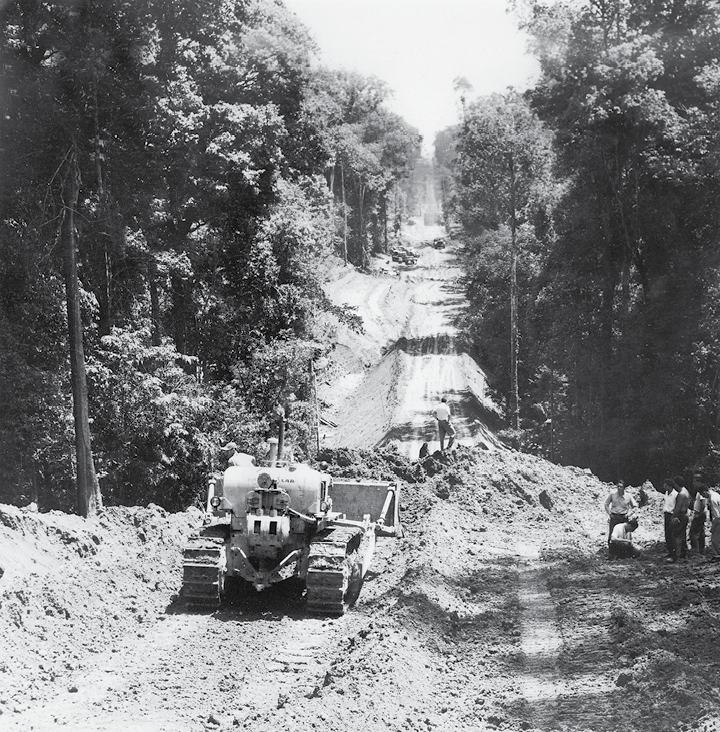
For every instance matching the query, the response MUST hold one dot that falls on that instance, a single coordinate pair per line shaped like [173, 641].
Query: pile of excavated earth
[496, 610]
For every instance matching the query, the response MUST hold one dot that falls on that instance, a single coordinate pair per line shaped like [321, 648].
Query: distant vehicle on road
[404, 255]
[440, 242]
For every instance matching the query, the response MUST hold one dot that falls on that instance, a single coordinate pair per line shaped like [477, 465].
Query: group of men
[680, 510]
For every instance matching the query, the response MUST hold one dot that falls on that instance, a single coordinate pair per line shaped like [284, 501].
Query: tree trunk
[105, 297]
[89, 499]
[155, 306]
[362, 233]
[316, 409]
[180, 312]
[514, 340]
[330, 176]
[384, 215]
[345, 224]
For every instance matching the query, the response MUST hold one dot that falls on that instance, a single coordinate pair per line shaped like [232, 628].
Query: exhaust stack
[273, 442]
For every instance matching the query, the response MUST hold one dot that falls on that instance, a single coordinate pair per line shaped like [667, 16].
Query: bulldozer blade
[379, 500]
[357, 499]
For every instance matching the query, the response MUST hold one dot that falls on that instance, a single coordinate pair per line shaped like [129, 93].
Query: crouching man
[621, 546]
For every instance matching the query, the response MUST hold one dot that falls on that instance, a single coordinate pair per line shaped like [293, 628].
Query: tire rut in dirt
[540, 641]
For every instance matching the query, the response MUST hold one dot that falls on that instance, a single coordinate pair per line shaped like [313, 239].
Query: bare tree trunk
[330, 175]
[316, 408]
[89, 499]
[514, 340]
[105, 296]
[345, 225]
[155, 308]
[364, 255]
[383, 220]
[514, 391]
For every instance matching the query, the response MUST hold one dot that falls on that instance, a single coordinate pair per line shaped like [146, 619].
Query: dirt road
[497, 610]
[394, 373]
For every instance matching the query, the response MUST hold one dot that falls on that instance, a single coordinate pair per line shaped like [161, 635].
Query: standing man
[442, 414]
[697, 523]
[680, 522]
[618, 506]
[670, 491]
[713, 500]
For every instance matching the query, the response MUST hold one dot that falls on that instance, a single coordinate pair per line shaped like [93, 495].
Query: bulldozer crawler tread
[203, 570]
[330, 566]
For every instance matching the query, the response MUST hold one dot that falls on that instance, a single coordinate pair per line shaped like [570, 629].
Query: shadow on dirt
[436, 345]
[243, 603]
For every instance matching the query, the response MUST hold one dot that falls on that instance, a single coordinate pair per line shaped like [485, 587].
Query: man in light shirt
[680, 522]
[670, 491]
[232, 457]
[618, 506]
[442, 414]
[621, 545]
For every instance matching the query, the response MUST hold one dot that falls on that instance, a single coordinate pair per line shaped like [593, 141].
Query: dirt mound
[503, 485]
[71, 587]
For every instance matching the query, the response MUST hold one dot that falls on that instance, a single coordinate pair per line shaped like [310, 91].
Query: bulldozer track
[204, 570]
[332, 566]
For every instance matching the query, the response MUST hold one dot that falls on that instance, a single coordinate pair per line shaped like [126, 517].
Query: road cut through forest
[496, 610]
[390, 377]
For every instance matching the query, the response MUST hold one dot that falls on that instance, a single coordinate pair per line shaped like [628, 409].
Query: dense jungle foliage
[203, 173]
[216, 172]
[603, 182]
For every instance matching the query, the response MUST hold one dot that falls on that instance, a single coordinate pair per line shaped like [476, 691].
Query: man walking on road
[442, 414]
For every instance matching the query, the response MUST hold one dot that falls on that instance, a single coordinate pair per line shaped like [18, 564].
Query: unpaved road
[487, 615]
[396, 371]
[496, 611]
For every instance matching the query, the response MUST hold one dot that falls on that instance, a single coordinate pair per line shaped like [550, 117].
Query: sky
[418, 47]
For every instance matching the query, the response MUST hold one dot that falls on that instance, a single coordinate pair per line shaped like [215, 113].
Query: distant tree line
[590, 206]
[186, 164]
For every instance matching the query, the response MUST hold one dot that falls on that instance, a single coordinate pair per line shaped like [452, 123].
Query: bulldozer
[266, 524]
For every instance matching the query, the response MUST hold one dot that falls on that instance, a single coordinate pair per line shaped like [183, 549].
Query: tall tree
[89, 499]
[368, 149]
[503, 156]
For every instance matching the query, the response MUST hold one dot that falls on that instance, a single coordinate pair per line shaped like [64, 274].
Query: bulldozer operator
[232, 456]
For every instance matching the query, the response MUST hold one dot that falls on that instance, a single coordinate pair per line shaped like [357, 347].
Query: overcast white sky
[419, 47]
